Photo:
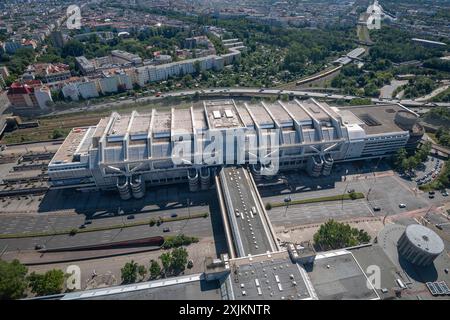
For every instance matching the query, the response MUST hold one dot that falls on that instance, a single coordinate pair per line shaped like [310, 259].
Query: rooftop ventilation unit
[228, 113]
[216, 114]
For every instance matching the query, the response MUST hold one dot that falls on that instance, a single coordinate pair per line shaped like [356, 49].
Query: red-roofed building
[28, 95]
[50, 72]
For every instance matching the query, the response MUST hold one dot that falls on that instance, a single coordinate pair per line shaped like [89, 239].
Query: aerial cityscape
[224, 150]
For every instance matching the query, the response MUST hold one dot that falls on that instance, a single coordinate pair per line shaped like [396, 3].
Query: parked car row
[433, 174]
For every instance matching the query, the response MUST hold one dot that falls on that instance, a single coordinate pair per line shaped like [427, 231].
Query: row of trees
[406, 163]
[335, 235]
[14, 281]
[419, 86]
[172, 263]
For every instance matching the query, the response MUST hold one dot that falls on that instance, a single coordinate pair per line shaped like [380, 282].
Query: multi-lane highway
[251, 230]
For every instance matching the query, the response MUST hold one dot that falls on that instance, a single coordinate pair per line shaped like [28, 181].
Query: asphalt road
[386, 192]
[252, 231]
[200, 227]
[69, 209]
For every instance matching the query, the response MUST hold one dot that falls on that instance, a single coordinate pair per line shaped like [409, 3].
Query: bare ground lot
[108, 269]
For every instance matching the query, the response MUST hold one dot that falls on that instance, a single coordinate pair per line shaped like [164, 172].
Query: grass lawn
[339, 197]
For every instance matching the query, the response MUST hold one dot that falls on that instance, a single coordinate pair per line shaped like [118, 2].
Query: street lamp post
[288, 201]
[345, 190]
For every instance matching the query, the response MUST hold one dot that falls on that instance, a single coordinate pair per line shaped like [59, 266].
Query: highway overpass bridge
[247, 227]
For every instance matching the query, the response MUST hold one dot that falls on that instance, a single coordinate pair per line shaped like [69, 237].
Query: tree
[166, 260]
[129, 272]
[51, 282]
[335, 235]
[179, 259]
[73, 48]
[399, 156]
[12, 279]
[155, 269]
[57, 133]
[142, 271]
[197, 67]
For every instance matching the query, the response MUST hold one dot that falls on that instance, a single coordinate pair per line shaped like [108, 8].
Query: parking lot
[384, 190]
[428, 171]
[64, 210]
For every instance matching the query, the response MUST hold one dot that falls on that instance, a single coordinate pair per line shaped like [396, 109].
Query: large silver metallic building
[126, 152]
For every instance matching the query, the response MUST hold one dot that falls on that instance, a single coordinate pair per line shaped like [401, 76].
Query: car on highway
[166, 230]
[39, 247]
[130, 217]
[402, 205]
[173, 215]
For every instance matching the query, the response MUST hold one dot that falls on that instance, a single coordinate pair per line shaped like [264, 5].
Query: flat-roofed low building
[84, 65]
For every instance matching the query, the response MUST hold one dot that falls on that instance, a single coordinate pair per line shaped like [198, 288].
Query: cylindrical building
[327, 164]
[137, 185]
[123, 187]
[193, 180]
[256, 171]
[420, 245]
[405, 119]
[205, 178]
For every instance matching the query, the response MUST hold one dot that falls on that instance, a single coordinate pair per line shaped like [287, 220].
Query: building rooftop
[376, 119]
[268, 277]
[193, 287]
[222, 114]
[338, 276]
[229, 114]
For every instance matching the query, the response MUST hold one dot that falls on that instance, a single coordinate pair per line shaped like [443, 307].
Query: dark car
[130, 217]
[431, 193]
[166, 230]
[376, 208]
[431, 196]
[174, 215]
